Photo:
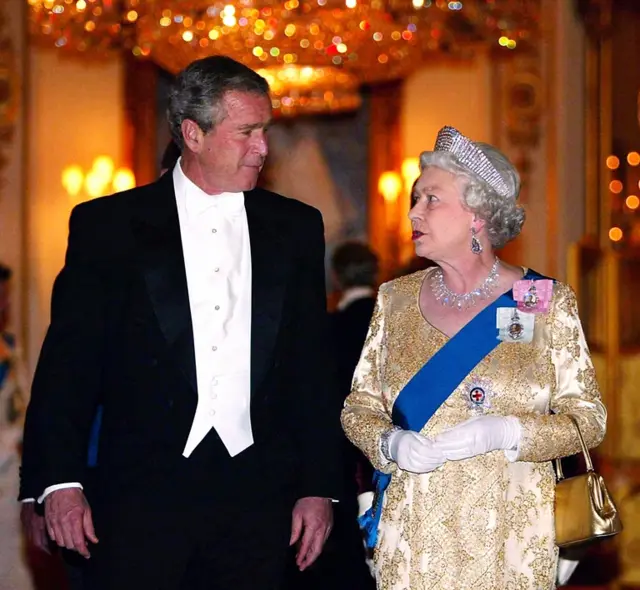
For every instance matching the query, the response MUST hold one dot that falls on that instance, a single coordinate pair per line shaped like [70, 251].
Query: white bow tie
[228, 204]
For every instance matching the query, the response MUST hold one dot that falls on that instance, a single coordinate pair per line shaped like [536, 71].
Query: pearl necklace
[461, 301]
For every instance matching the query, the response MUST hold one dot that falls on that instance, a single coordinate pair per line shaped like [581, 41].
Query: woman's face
[441, 225]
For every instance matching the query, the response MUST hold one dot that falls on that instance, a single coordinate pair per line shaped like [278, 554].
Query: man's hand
[34, 528]
[313, 519]
[69, 522]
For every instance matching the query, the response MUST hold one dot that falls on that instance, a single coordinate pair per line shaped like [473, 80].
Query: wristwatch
[384, 442]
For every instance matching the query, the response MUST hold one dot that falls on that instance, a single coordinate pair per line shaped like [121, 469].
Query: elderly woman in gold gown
[465, 388]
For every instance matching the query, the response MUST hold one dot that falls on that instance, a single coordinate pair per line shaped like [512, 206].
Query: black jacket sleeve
[317, 404]
[68, 374]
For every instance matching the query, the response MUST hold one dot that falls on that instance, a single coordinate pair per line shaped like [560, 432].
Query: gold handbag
[584, 509]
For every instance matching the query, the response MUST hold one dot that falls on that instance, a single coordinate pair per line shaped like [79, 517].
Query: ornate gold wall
[605, 265]
[12, 146]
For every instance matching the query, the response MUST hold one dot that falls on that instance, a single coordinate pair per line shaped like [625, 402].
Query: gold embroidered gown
[485, 523]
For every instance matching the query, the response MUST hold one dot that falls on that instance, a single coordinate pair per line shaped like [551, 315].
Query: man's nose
[261, 145]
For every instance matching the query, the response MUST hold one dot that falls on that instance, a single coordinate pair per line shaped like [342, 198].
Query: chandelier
[315, 54]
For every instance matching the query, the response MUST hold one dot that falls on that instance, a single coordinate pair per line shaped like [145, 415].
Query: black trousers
[229, 548]
[74, 565]
[209, 522]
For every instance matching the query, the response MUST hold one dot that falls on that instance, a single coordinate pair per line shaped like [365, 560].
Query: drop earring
[476, 246]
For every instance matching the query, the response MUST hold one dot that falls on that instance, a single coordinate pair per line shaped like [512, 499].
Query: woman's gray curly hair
[502, 215]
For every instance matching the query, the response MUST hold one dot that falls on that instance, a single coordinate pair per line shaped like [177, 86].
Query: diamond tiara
[471, 157]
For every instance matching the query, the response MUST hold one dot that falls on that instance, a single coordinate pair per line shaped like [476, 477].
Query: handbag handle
[585, 452]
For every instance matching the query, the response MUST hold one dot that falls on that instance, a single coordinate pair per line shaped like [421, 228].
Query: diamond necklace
[461, 301]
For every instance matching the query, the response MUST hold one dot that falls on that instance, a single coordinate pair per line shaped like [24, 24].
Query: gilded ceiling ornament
[315, 54]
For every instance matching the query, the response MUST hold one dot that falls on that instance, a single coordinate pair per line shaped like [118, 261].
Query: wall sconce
[103, 178]
[410, 170]
[390, 186]
[396, 191]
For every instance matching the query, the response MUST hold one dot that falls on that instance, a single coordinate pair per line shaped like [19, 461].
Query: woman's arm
[576, 391]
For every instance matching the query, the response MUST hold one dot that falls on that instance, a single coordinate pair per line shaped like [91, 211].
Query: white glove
[365, 501]
[478, 436]
[414, 452]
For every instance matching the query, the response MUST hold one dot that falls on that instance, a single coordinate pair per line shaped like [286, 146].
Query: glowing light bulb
[613, 162]
[410, 169]
[615, 186]
[103, 166]
[633, 158]
[123, 180]
[390, 186]
[94, 185]
[615, 234]
[73, 179]
[632, 202]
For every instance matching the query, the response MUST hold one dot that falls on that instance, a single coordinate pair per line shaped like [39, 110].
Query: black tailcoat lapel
[156, 228]
[270, 264]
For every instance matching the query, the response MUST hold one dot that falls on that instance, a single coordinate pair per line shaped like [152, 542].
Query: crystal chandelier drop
[315, 54]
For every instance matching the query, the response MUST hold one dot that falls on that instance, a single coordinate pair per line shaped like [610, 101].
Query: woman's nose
[415, 213]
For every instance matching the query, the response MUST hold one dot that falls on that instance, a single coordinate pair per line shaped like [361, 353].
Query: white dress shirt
[217, 256]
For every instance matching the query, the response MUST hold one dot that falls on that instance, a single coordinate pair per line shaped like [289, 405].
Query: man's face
[230, 157]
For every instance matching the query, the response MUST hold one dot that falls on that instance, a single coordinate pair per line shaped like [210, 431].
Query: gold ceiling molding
[315, 53]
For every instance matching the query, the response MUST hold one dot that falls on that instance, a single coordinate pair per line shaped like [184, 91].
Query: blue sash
[430, 387]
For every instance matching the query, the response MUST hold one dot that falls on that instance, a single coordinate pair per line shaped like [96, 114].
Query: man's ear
[192, 136]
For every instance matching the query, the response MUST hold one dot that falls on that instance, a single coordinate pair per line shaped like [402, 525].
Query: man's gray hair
[502, 215]
[198, 91]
